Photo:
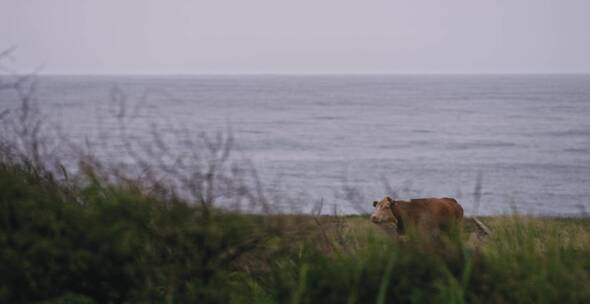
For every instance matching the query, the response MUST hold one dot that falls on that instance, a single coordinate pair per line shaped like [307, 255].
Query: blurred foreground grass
[87, 240]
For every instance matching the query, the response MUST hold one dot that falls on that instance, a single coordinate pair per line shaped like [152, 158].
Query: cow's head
[383, 212]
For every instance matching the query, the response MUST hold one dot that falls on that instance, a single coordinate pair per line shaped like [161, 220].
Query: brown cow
[428, 215]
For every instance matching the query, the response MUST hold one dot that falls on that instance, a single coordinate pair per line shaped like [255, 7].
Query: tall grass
[95, 242]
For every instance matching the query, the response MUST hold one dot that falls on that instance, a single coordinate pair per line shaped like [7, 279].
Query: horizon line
[303, 74]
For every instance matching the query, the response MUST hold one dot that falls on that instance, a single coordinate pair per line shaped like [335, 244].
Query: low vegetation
[90, 241]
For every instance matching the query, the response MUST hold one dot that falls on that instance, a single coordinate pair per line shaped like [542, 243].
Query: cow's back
[428, 213]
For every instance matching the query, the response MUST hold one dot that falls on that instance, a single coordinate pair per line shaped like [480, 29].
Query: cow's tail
[482, 227]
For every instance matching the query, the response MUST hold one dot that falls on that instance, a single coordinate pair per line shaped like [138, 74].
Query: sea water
[526, 138]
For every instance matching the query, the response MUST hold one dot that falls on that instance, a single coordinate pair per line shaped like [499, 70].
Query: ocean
[526, 138]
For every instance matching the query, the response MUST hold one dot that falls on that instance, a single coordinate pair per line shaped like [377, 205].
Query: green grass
[90, 241]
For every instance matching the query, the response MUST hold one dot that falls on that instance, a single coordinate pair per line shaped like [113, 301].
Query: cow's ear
[391, 201]
[374, 203]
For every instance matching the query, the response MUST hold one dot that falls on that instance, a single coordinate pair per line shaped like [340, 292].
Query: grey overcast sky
[299, 36]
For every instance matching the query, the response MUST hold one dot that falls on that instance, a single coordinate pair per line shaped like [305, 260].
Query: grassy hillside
[87, 240]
